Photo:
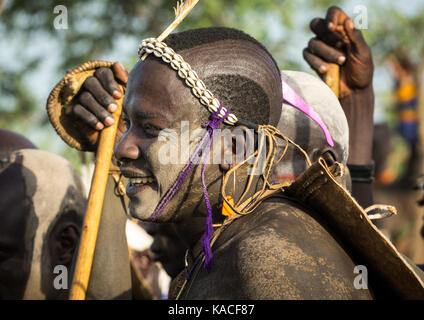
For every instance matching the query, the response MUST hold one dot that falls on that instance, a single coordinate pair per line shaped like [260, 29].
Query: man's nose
[127, 148]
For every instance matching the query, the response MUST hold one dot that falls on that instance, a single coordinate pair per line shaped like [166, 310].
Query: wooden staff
[94, 209]
[332, 78]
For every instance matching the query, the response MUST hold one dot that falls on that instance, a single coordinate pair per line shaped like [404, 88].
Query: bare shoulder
[284, 251]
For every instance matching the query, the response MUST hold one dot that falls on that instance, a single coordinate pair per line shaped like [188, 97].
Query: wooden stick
[332, 78]
[94, 209]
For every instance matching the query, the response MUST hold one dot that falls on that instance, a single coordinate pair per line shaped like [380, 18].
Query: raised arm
[338, 41]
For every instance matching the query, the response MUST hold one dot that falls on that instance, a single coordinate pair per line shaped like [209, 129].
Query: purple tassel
[206, 142]
[211, 125]
[180, 179]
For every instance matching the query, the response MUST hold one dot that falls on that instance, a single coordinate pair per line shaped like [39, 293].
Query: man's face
[15, 247]
[155, 99]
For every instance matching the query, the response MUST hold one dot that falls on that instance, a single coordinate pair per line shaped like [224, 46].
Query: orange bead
[226, 209]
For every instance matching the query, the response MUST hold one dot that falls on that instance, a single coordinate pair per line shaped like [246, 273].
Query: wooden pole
[94, 209]
[332, 78]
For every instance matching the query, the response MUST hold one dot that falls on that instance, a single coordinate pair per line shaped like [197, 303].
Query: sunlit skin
[157, 99]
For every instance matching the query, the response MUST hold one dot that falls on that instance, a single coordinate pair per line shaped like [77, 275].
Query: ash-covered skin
[41, 210]
[152, 84]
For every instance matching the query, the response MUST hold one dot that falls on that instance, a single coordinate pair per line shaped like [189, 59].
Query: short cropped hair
[245, 77]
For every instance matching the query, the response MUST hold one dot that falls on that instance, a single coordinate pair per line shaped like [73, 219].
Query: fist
[337, 41]
[96, 99]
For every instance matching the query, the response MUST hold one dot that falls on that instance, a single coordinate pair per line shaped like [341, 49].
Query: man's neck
[191, 229]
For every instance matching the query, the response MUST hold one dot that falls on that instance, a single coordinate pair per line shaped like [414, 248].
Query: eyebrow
[143, 115]
[147, 115]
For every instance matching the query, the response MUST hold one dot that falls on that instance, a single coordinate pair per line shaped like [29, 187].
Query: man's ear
[64, 243]
[236, 148]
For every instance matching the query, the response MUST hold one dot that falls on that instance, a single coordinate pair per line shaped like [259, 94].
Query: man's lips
[133, 188]
[135, 173]
[138, 179]
[141, 180]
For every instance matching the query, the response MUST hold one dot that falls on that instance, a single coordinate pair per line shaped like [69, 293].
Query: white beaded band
[198, 88]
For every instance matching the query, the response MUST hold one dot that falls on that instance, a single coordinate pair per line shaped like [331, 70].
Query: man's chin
[144, 211]
[143, 201]
[139, 211]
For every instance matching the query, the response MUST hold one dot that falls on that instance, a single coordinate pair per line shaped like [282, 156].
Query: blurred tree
[401, 33]
[390, 30]
[95, 25]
